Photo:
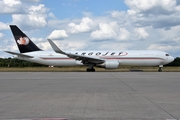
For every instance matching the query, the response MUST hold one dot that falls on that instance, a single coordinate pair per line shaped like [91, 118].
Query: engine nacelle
[110, 64]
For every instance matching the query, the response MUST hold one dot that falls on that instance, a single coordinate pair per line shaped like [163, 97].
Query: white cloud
[85, 26]
[106, 31]
[140, 33]
[15, 6]
[51, 15]
[8, 45]
[38, 40]
[152, 6]
[55, 23]
[40, 9]
[19, 6]
[44, 45]
[156, 13]
[115, 32]
[73, 45]
[58, 34]
[115, 46]
[23, 14]
[33, 21]
[147, 24]
[164, 47]
[3, 26]
[131, 12]
[1, 35]
[123, 34]
[31, 1]
[118, 14]
[35, 18]
[12, 2]
[11, 6]
[87, 14]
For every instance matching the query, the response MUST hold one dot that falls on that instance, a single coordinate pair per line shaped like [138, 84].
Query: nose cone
[170, 59]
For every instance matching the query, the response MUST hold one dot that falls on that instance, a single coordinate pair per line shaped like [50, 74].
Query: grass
[83, 69]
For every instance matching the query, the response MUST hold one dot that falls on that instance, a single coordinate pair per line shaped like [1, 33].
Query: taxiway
[90, 96]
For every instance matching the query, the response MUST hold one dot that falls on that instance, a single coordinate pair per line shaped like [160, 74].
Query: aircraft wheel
[160, 70]
[93, 70]
[90, 70]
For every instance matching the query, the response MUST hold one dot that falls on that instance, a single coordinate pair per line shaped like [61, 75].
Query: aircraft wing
[84, 59]
[19, 54]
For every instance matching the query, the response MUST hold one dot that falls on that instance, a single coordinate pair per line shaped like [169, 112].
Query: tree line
[9, 62]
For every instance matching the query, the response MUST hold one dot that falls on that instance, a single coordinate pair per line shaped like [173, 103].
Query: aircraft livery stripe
[124, 58]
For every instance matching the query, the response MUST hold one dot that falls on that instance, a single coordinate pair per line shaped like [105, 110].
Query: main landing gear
[160, 68]
[91, 68]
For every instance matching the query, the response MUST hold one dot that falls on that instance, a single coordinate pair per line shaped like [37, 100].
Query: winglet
[55, 48]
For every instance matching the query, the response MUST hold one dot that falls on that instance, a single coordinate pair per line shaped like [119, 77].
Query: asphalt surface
[90, 96]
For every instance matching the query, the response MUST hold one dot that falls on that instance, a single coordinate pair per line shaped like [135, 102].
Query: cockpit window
[167, 54]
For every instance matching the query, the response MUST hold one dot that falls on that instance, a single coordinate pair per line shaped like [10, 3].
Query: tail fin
[22, 40]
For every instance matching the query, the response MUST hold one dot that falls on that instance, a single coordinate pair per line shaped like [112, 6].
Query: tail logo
[23, 41]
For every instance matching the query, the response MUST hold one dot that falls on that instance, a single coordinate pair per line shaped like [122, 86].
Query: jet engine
[110, 64]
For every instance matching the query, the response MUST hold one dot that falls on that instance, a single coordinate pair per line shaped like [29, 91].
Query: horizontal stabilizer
[19, 54]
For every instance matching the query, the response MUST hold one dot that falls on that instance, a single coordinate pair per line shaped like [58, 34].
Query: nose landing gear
[160, 68]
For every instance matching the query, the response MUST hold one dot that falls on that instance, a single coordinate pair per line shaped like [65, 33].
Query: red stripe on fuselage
[124, 58]
[57, 58]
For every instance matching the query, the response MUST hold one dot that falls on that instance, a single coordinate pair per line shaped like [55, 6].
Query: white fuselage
[124, 57]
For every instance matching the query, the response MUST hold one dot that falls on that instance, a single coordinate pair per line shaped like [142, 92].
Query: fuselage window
[167, 54]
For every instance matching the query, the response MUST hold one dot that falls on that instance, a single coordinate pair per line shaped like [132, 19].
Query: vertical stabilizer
[22, 40]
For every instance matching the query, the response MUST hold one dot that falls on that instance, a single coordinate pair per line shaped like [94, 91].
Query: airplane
[108, 59]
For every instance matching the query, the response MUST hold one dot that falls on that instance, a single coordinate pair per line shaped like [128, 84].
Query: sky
[93, 24]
